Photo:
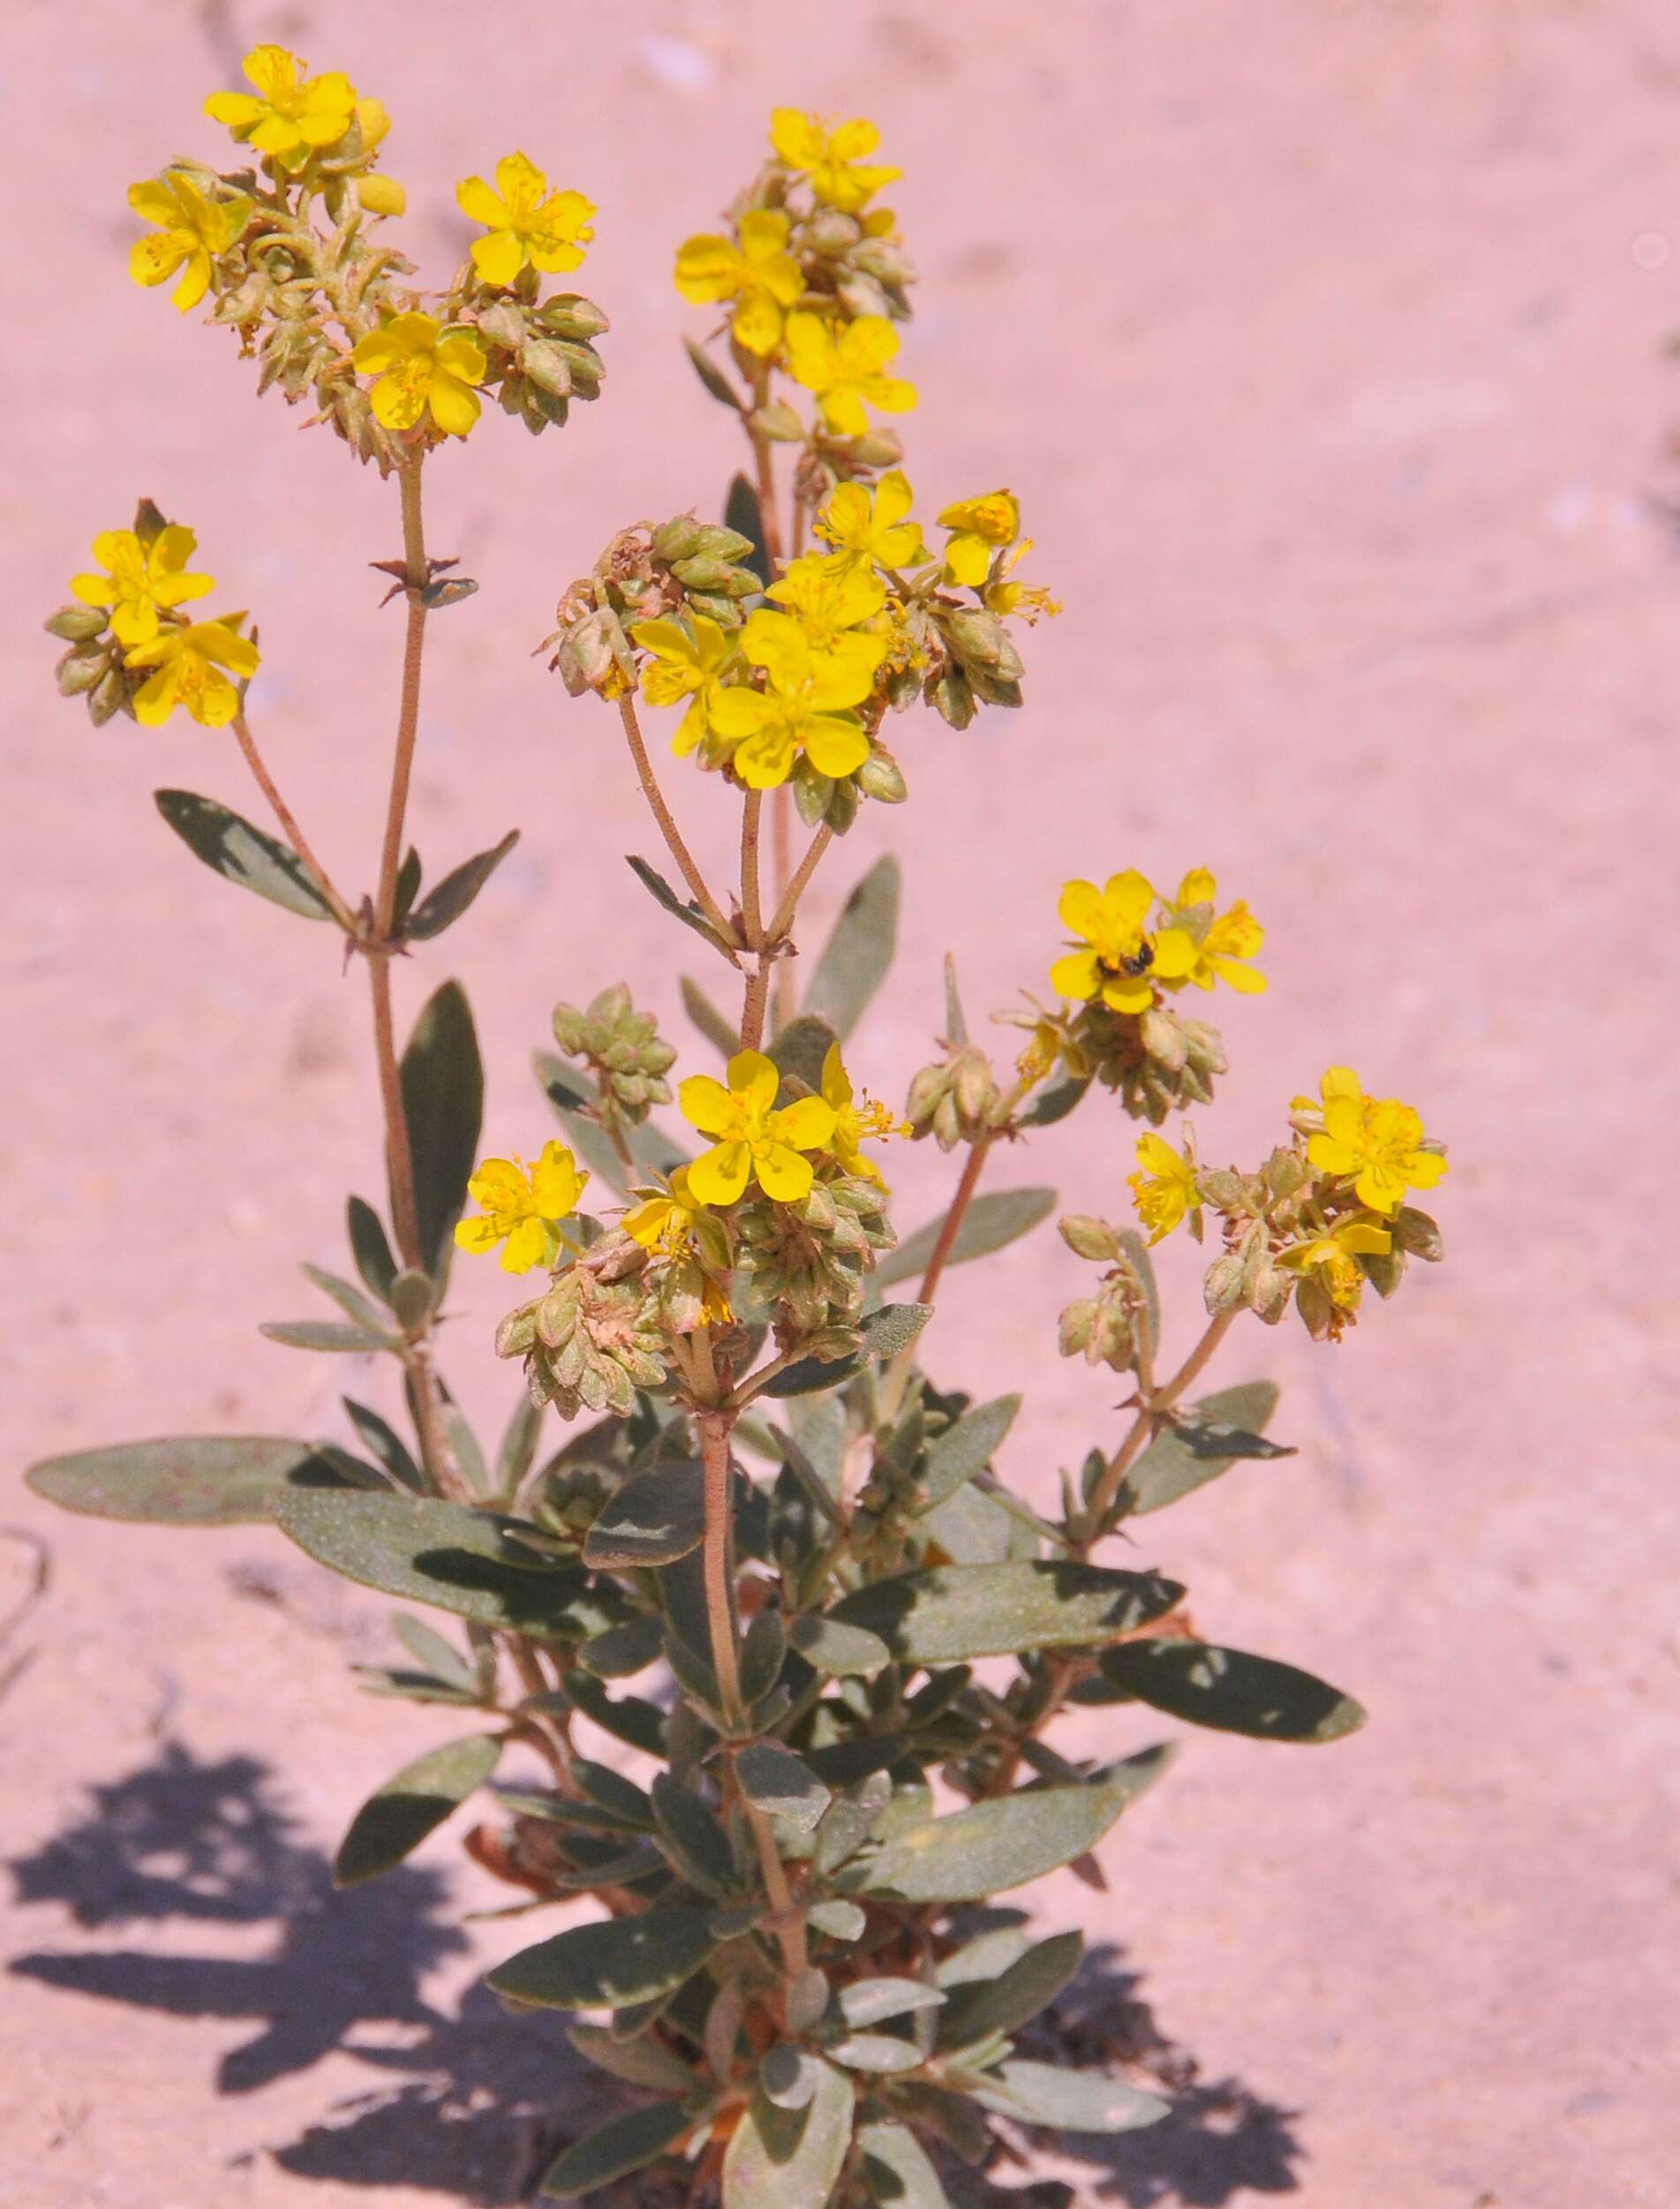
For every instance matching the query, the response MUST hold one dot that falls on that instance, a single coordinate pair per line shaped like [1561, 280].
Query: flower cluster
[132, 650]
[1322, 1216]
[295, 292]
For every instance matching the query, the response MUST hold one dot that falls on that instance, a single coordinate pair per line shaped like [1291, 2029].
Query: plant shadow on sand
[473, 2105]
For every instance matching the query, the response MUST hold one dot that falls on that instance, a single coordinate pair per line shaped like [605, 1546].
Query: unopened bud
[1092, 1239]
[75, 624]
[382, 195]
[1221, 1291]
[1415, 1232]
[80, 670]
[678, 538]
[880, 777]
[548, 368]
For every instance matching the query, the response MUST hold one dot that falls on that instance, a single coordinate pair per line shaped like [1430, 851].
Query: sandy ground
[1322, 341]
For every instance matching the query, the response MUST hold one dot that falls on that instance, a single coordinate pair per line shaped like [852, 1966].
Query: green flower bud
[77, 624]
[1092, 1239]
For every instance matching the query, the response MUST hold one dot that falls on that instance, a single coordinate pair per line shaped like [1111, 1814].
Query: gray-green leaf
[790, 2159]
[621, 2144]
[982, 2007]
[651, 1519]
[230, 846]
[896, 2169]
[394, 1821]
[958, 1611]
[445, 904]
[187, 1481]
[854, 962]
[1073, 2101]
[443, 1103]
[610, 1965]
[1232, 1692]
[992, 1221]
[1219, 1430]
[963, 1450]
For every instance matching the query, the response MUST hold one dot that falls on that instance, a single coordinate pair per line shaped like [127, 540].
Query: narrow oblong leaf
[187, 1481]
[992, 1221]
[445, 902]
[997, 1844]
[425, 1551]
[371, 1247]
[790, 2159]
[622, 2144]
[442, 1078]
[884, 2052]
[836, 1648]
[964, 1449]
[982, 2007]
[886, 1331]
[1232, 1692]
[858, 955]
[866, 2001]
[800, 1049]
[230, 846]
[896, 2169]
[651, 1519]
[394, 1820]
[722, 1034]
[642, 2062]
[1072, 2102]
[711, 376]
[334, 1335]
[956, 1023]
[694, 1838]
[687, 912]
[742, 513]
[958, 1611]
[570, 1091]
[1217, 1432]
[782, 1784]
[613, 1965]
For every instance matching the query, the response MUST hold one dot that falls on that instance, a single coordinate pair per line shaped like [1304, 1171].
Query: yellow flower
[833, 159]
[382, 195]
[843, 366]
[758, 274]
[1005, 596]
[982, 526]
[666, 1222]
[140, 578]
[189, 663]
[854, 1124]
[421, 365]
[756, 1141]
[803, 708]
[1115, 963]
[1165, 1189]
[526, 221]
[1334, 1259]
[291, 115]
[831, 607]
[523, 1207]
[1376, 1139]
[191, 232]
[1218, 952]
[872, 531]
[685, 667]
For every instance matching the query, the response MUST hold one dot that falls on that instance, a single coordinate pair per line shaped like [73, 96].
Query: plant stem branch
[785, 1915]
[795, 888]
[408, 718]
[715, 1560]
[295, 836]
[978, 1151]
[665, 819]
[1152, 1412]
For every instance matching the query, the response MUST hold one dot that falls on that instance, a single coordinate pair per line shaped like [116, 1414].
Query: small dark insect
[1140, 961]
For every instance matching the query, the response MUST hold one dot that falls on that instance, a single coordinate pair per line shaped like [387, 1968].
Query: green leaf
[573, 1096]
[1004, 1842]
[790, 2159]
[233, 849]
[866, 2001]
[695, 1840]
[963, 1450]
[427, 1551]
[688, 913]
[1232, 1692]
[610, 1965]
[325, 1334]
[408, 886]
[956, 1023]
[1055, 1104]
[440, 1657]
[651, 1519]
[1072, 2102]
[621, 2145]
[713, 378]
[855, 961]
[992, 1221]
[642, 2063]
[622, 1651]
[723, 1035]
[740, 513]
[516, 1453]
[840, 1921]
[958, 1611]
[800, 1049]
[187, 1481]
[1220, 1429]
[877, 2051]
[443, 1103]
[446, 903]
[630, 1719]
[371, 1247]
[982, 2007]
[782, 1784]
[896, 2169]
[789, 2075]
[361, 1310]
[837, 1649]
[395, 1821]
[886, 1331]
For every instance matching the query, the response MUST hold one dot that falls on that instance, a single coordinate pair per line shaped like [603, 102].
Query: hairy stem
[1152, 1412]
[666, 820]
[716, 1560]
[785, 1915]
[295, 836]
[793, 889]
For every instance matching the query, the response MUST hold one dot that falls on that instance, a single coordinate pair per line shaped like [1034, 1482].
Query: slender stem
[751, 908]
[952, 1226]
[715, 1560]
[399, 1154]
[663, 815]
[781, 848]
[754, 1009]
[800, 882]
[1150, 1413]
[295, 836]
[417, 573]
[785, 1916]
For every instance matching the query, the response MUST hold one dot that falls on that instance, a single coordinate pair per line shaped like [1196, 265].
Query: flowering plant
[767, 1514]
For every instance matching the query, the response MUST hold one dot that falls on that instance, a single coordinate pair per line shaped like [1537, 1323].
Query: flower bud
[548, 368]
[1087, 1238]
[81, 669]
[1222, 1188]
[374, 118]
[382, 195]
[1222, 1290]
[1163, 1039]
[880, 777]
[677, 539]
[568, 315]
[75, 624]
[108, 697]
[1416, 1233]
[978, 1096]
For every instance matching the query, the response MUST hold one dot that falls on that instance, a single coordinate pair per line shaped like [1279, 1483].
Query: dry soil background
[1322, 344]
